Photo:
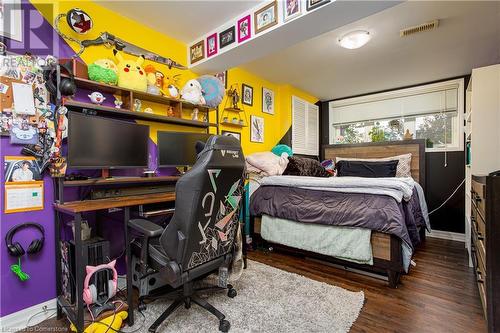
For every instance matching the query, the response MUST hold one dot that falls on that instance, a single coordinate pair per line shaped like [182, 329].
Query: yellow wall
[275, 126]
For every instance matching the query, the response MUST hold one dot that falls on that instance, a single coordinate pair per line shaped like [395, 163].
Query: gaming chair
[200, 236]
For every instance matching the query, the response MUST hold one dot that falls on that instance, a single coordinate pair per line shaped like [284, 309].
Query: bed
[386, 244]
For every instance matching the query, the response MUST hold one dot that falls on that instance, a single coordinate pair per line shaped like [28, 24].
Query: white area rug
[268, 300]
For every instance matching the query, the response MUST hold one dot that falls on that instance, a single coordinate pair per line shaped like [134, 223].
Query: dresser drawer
[480, 252]
[478, 197]
[481, 286]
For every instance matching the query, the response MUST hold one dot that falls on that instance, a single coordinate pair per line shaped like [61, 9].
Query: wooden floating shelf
[71, 104]
[228, 123]
[119, 180]
[233, 110]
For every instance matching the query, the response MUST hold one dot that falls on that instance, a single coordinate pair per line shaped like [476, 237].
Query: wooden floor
[439, 294]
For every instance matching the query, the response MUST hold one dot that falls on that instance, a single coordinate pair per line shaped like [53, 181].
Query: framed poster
[266, 17]
[244, 29]
[246, 94]
[257, 129]
[292, 9]
[197, 52]
[227, 37]
[212, 45]
[267, 101]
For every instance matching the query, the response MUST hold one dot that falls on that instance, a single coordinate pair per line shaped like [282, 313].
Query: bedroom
[357, 141]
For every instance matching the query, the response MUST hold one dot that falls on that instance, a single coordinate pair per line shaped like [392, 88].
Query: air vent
[419, 28]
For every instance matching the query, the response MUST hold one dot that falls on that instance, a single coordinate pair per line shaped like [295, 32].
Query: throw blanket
[397, 188]
[266, 163]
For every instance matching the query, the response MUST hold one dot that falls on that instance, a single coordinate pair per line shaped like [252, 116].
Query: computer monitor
[178, 148]
[103, 143]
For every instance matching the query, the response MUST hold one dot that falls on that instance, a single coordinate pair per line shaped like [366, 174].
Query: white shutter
[305, 127]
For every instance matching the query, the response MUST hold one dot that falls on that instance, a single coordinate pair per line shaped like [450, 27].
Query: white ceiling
[184, 20]
[468, 36]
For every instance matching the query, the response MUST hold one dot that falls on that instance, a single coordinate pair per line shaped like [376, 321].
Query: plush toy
[192, 92]
[104, 71]
[278, 150]
[154, 85]
[213, 90]
[112, 323]
[130, 73]
[171, 86]
[96, 98]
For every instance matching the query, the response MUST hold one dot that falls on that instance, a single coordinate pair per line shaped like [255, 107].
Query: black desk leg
[58, 261]
[80, 272]
[128, 259]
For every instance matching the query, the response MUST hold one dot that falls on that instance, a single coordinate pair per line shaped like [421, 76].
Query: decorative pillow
[367, 169]
[302, 166]
[404, 165]
[266, 163]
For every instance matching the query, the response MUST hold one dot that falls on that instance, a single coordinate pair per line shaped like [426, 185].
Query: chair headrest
[222, 142]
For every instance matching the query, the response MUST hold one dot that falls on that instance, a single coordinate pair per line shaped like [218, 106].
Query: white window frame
[457, 124]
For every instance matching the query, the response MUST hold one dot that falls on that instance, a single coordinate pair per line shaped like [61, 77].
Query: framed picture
[197, 52]
[292, 9]
[223, 77]
[244, 29]
[246, 94]
[212, 45]
[257, 129]
[267, 101]
[266, 17]
[227, 37]
[313, 4]
[233, 134]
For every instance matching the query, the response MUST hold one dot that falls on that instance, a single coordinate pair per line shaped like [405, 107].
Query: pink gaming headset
[90, 291]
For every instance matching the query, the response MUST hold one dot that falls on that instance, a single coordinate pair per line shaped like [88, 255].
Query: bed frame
[387, 258]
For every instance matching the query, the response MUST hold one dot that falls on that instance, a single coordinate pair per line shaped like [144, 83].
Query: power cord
[448, 199]
[17, 270]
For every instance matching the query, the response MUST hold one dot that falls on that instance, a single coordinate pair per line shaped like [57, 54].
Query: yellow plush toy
[115, 322]
[131, 75]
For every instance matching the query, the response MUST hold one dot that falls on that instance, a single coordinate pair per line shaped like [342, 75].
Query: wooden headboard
[383, 149]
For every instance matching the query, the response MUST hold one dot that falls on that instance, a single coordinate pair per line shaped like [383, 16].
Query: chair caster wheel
[187, 304]
[224, 326]
[142, 307]
[231, 293]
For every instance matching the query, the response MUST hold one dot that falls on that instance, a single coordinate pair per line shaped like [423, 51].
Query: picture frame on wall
[267, 100]
[223, 77]
[257, 129]
[212, 45]
[197, 52]
[246, 94]
[291, 9]
[233, 134]
[244, 29]
[266, 17]
[313, 4]
[227, 37]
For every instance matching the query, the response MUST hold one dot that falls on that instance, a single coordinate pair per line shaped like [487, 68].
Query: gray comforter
[377, 212]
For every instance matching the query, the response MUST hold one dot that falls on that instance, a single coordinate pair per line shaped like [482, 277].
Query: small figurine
[96, 98]
[170, 111]
[148, 110]
[137, 105]
[194, 114]
[408, 135]
[118, 103]
[235, 120]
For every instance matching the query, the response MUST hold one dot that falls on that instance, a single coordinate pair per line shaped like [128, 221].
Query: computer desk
[77, 209]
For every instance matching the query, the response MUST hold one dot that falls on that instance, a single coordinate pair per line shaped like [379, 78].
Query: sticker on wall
[257, 129]
[244, 29]
[267, 101]
[197, 52]
[212, 45]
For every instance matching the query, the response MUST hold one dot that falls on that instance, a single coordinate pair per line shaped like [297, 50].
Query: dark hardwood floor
[439, 294]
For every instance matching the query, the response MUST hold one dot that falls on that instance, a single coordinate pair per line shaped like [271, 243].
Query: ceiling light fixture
[355, 39]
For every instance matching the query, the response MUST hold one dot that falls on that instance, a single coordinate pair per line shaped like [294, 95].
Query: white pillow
[404, 165]
[267, 163]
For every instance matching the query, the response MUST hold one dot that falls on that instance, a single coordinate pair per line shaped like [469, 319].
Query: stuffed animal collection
[104, 71]
[131, 75]
[171, 86]
[192, 92]
[155, 80]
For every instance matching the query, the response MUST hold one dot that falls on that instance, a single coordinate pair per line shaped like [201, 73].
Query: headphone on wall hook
[15, 249]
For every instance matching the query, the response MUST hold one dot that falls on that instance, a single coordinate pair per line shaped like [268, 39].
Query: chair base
[187, 297]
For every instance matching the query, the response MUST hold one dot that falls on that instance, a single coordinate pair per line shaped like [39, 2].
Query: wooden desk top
[73, 207]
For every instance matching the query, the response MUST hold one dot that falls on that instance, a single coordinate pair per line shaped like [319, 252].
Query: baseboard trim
[454, 236]
[19, 320]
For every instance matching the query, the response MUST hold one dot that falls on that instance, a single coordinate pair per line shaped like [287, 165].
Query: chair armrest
[147, 228]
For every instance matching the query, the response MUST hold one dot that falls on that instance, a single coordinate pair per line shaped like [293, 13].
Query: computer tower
[96, 252]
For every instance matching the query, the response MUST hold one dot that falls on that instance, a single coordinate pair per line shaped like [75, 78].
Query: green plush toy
[280, 149]
[104, 71]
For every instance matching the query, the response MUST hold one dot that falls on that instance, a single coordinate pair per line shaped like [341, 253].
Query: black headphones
[67, 86]
[15, 249]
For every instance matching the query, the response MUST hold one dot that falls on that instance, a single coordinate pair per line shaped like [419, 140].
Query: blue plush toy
[213, 90]
[280, 149]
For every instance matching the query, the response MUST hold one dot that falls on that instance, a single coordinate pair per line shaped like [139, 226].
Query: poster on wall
[267, 101]
[257, 129]
[21, 169]
[23, 196]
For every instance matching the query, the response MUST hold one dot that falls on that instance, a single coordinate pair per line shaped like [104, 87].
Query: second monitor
[178, 148]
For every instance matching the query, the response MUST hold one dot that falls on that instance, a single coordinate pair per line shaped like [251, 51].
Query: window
[431, 112]
[305, 127]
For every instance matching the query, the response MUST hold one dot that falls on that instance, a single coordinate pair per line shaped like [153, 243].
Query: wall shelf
[228, 123]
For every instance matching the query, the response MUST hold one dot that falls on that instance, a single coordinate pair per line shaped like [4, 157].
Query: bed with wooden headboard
[386, 248]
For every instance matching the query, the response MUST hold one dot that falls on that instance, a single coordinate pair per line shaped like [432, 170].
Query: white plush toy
[192, 92]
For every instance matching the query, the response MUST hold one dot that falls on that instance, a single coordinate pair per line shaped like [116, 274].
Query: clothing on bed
[351, 244]
[302, 166]
[366, 169]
